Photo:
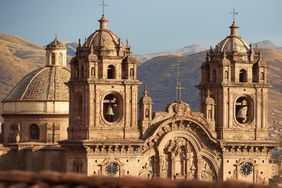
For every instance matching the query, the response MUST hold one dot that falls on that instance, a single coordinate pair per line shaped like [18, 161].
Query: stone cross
[103, 5]
[234, 14]
[179, 88]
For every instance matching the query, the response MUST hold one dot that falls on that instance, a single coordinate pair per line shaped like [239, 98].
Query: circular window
[112, 107]
[246, 169]
[112, 169]
[244, 110]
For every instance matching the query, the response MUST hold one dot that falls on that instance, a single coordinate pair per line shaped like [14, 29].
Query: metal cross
[103, 5]
[234, 14]
[179, 88]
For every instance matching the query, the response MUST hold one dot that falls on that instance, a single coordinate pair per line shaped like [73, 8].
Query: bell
[110, 111]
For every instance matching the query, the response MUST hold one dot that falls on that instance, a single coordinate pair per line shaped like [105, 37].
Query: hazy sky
[149, 25]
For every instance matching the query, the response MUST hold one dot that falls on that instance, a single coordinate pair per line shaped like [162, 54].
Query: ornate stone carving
[146, 171]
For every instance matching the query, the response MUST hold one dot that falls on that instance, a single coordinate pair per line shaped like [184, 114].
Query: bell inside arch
[110, 111]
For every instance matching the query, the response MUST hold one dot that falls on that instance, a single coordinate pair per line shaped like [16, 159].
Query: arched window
[262, 75]
[34, 132]
[53, 58]
[111, 72]
[131, 72]
[92, 71]
[226, 76]
[243, 75]
[147, 113]
[78, 106]
[61, 59]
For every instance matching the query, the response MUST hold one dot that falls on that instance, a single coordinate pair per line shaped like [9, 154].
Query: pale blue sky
[149, 25]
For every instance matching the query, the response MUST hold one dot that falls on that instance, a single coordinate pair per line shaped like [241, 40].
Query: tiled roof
[46, 83]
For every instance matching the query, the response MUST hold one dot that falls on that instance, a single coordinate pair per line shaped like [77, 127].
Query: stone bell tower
[234, 99]
[234, 91]
[103, 88]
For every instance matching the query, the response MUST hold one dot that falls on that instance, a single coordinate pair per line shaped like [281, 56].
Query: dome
[104, 38]
[233, 43]
[46, 83]
[56, 44]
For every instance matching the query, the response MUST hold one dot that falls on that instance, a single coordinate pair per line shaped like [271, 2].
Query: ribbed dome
[46, 83]
[104, 39]
[233, 43]
[56, 44]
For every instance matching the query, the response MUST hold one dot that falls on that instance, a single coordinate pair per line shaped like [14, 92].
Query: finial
[79, 43]
[85, 42]
[119, 42]
[126, 44]
[103, 5]
[56, 36]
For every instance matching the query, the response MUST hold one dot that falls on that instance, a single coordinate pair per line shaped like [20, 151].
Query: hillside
[19, 57]
[162, 87]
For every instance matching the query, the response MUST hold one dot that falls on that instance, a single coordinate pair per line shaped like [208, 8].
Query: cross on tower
[234, 14]
[179, 88]
[103, 5]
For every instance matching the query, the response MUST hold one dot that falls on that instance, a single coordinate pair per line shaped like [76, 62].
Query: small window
[92, 71]
[53, 58]
[262, 75]
[226, 76]
[147, 113]
[131, 72]
[34, 132]
[243, 75]
[111, 72]
[61, 59]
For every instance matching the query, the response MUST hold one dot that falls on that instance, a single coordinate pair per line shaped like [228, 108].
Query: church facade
[112, 132]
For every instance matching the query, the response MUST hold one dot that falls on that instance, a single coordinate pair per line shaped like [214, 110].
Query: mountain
[188, 50]
[19, 57]
[267, 44]
[159, 75]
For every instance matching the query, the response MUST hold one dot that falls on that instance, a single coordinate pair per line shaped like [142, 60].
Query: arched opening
[34, 132]
[243, 75]
[226, 76]
[147, 113]
[78, 107]
[53, 58]
[61, 59]
[262, 76]
[92, 71]
[132, 73]
[111, 72]
[244, 107]
[112, 107]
